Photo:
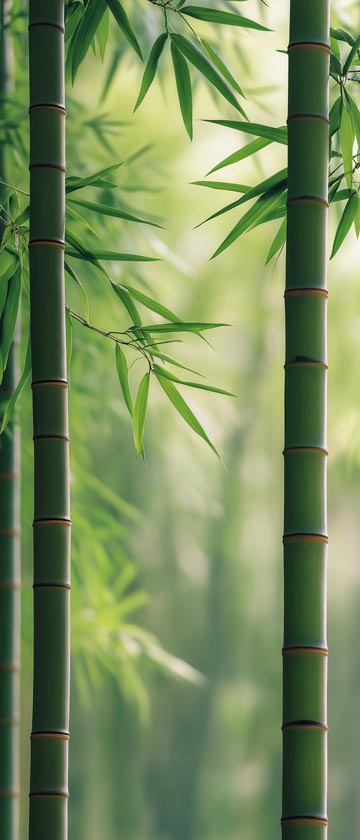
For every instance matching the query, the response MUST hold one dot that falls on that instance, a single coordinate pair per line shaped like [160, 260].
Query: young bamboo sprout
[305, 526]
[50, 729]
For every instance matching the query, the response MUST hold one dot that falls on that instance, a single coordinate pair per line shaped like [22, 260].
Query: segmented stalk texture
[50, 725]
[304, 813]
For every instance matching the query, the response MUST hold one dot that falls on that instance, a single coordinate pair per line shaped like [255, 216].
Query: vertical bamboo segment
[304, 815]
[50, 728]
[9, 547]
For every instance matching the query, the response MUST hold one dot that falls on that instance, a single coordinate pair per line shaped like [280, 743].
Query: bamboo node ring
[305, 537]
[48, 106]
[307, 199]
[56, 243]
[305, 724]
[316, 449]
[52, 521]
[293, 117]
[56, 166]
[312, 45]
[304, 821]
[311, 649]
[307, 290]
[51, 585]
[53, 25]
[56, 383]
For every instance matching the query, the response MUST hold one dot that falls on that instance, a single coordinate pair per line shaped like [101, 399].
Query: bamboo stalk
[9, 543]
[304, 815]
[50, 726]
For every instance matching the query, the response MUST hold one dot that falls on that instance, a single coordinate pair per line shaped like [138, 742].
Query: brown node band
[304, 821]
[51, 437]
[56, 383]
[307, 199]
[58, 793]
[5, 666]
[323, 538]
[9, 793]
[52, 521]
[310, 290]
[316, 651]
[51, 585]
[320, 117]
[318, 449]
[48, 106]
[52, 25]
[303, 362]
[312, 45]
[51, 733]
[56, 243]
[9, 721]
[56, 166]
[305, 724]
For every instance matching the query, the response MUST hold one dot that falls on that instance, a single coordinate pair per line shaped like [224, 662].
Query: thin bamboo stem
[9, 541]
[50, 726]
[304, 815]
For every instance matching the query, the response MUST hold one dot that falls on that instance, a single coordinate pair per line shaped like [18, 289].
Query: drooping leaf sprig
[344, 157]
[87, 24]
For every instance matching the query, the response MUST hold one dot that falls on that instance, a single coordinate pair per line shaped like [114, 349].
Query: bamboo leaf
[278, 242]
[162, 372]
[183, 85]
[202, 64]
[353, 52]
[255, 215]
[151, 304]
[151, 67]
[68, 331]
[123, 375]
[355, 113]
[347, 134]
[227, 18]
[269, 132]
[10, 406]
[179, 326]
[123, 21]
[77, 183]
[222, 185]
[108, 210]
[129, 304]
[140, 413]
[342, 35]
[335, 115]
[4, 283]
[185, 412]
[84, 294]
[219, 64]
[174, 362]
[84, 34]
[279, 180]
[103, 34]
[357, 218]
[241, 154]
[94, 255]
[345, 223]
[10, 314]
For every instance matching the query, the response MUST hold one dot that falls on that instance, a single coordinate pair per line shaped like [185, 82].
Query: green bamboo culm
[304, 812]
[50, 724]
[9, 536]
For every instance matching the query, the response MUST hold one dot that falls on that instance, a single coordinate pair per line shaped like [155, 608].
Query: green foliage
[344, 130]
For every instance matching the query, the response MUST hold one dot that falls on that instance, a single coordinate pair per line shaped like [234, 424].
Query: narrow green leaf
[84, 294]
[127, 301]
[357, 218]
[151, 67]
[181, 406]
[162, 372]
[352, 54]
[355, 113]
[174, 362]
[335, 115]
[254, 215]
[183, 85]
[94, 255]
[347, 134]
[345, 223]
[278, 242]
[222, 185]
[228, 18]
[215, 58]
[139, 414]
[275, 135]
[278, 180]
[202, 64]
[179, 326]
[10, 406]
[68, 332]
[108, 210]
[76, 183]
[4, 283]
[342, 35]
[151, 304]
[125, 25]
[123, 374]
[103, 34]
[84, 34]
[10, 314]
[241, 154]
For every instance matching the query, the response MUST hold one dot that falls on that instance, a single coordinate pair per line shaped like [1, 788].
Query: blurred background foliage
[177, 573]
